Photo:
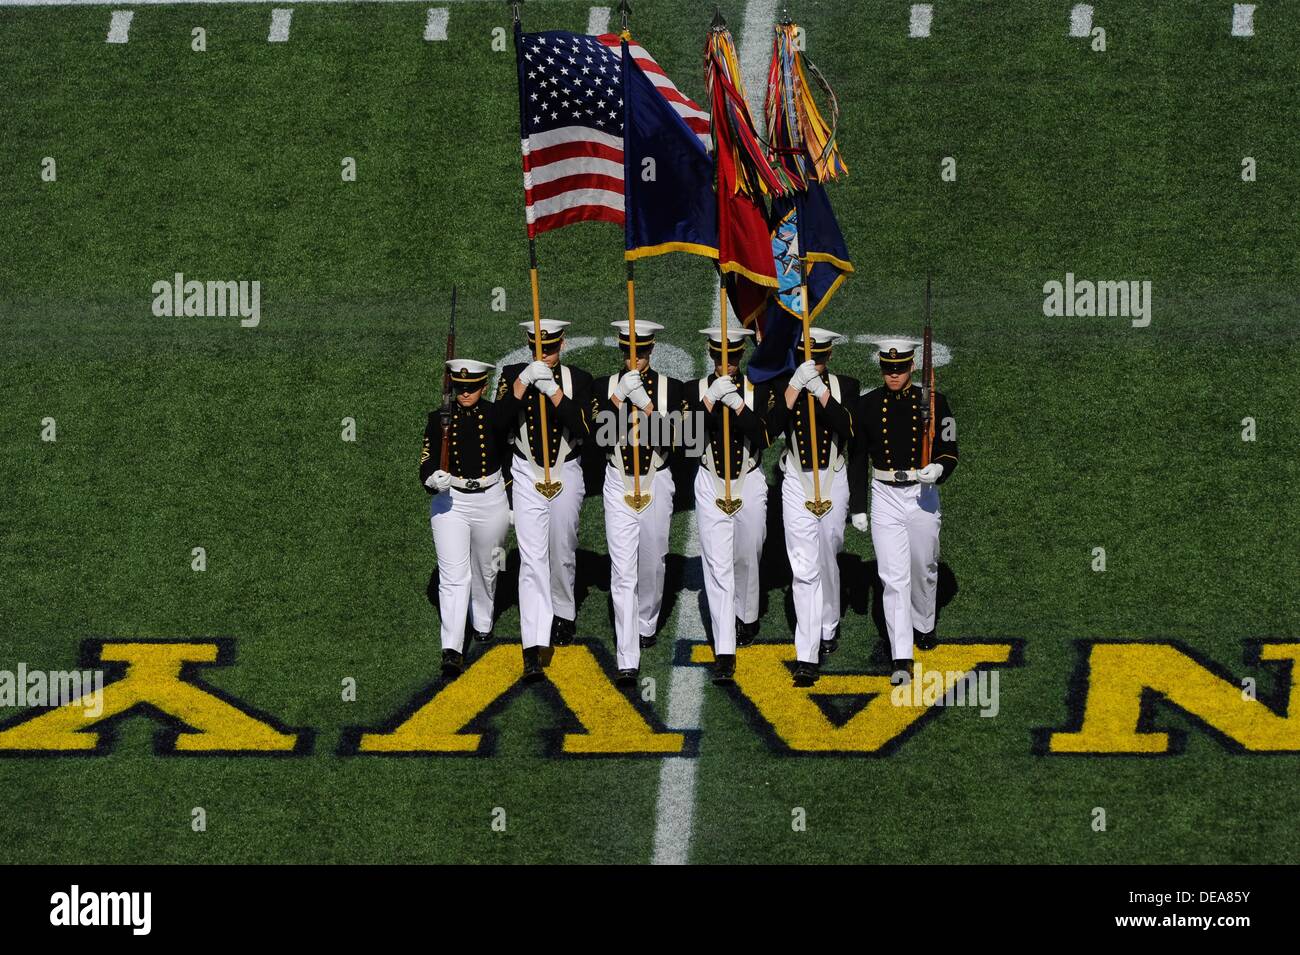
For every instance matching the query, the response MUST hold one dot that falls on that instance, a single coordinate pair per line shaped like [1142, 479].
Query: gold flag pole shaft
[547, 488]
[726, 505]
[726, 369]
[637, 501]
[816, 505]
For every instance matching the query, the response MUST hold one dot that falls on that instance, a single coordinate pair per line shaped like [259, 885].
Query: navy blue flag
[667, 175]
[802, 220]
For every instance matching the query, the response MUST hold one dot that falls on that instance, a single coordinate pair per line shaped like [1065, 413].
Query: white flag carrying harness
[521, 439]
[656, 462]
[790, 460]
[719, 483]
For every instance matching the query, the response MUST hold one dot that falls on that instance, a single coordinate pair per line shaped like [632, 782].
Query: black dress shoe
[562, 632]
[648, 642]
[831, 645]
[724, 669]
[453, 664]
[924, 641]
[483, 637]
[626, 678]
[532, 664]
[746, 633]
[902, 673]
[805, 674]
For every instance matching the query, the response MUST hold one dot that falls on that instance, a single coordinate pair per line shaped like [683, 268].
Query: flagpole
[816, 505]
[546, 487]
[726, 505]
[637, 501]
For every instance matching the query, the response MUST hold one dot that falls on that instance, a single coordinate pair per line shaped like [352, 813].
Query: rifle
[927, 383]
[447, 397]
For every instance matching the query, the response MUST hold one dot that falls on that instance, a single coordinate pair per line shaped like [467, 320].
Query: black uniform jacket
[569, 417]
[477, 441]
[836, 418]
[890, 428]
[747, 427]
[669, 442]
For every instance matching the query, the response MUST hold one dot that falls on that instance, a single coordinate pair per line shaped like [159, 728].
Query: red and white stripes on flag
[573, 148]
[696, 118]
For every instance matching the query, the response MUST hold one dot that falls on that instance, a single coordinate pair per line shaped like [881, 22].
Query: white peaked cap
[823, 336]
[643, 329]
[550, 326]
[468, 368]
[737, 333]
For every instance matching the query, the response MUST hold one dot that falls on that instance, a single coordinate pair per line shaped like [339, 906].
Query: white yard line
[675, 804]
[1081, 20]
[119, 26]
[435, 28]
[280, 20]
[922, 17]
[172, 3]
[598, 20]
[755, 50]
[1243, 19]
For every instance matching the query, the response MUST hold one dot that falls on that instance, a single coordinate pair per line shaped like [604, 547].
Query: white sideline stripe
[755, 49]
[1243, 19]
[922, 15]
[675, 802]
[171, 3]
[1081, 20]
[435, 28]
[119, 26]
[598, 20]
[280, 20]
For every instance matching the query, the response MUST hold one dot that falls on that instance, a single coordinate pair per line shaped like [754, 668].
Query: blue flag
[667, 175]
[804, 220]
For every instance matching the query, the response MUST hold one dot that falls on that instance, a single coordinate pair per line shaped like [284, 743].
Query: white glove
[733, 401]
[547, 386]
[536, 371]
[930, 474]
[512, 518]
[438, 481]
[816, 387]
[722, 387]
[803, 374]
[860, 522]
[629, 383]
[639, 397]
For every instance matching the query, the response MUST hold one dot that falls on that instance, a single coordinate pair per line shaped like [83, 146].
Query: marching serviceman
[905, 515]
[815, 507]
[638, 490]
[732, 520]
[546, 507]
[469, 514]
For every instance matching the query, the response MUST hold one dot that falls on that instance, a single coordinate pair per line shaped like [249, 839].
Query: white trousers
[638, 549]
[813, 546]
[906, 540]
[468, 533]
[730, 548]
[547, 532]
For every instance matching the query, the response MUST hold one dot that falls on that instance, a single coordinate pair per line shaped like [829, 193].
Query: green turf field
[1076, 433]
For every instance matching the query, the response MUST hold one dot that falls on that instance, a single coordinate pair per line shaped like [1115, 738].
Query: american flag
[571, 111]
